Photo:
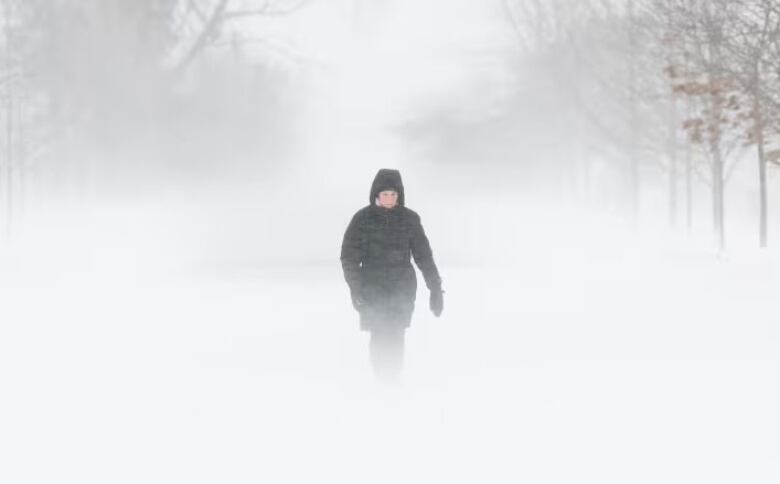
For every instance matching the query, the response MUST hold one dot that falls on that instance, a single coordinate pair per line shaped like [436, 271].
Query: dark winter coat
[375, 256]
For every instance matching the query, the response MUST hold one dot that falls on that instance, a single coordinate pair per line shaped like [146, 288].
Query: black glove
[437, 302]
[357, 300]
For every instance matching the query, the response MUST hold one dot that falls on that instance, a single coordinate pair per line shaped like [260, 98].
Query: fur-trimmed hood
[387, 179]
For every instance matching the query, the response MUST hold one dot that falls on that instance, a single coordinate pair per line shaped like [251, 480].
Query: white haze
[176, 323]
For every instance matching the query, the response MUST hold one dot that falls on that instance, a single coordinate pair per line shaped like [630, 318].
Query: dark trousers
[386, 349]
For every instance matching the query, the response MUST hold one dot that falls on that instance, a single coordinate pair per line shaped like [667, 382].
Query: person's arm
[352, 257]
[423, 256]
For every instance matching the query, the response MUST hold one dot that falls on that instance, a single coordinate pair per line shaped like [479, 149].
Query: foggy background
[598, 180]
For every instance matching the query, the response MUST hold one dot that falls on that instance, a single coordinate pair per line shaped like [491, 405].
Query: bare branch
[268, 10]
[206, 35]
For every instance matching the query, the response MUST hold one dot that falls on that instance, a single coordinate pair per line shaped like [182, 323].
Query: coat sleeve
[423, 256]
[352, 253]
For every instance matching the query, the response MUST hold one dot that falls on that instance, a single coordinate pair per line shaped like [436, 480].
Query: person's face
[388, 198]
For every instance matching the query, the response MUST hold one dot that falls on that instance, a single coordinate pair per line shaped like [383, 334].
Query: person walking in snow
[375, 256]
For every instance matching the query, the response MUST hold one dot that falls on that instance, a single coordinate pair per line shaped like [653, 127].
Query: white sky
[411, 54]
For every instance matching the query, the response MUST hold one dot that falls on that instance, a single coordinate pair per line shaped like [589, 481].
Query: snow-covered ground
[132, 350]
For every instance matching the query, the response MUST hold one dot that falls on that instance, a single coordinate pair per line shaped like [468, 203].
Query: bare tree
[75, 72]
[199, 23]
[13, 97]
[702, 30]
[750, 65]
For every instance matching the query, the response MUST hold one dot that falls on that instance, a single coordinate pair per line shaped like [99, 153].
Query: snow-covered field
[134, 351]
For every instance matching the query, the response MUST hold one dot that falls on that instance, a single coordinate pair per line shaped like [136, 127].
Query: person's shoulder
[362, 213]
[411, 214]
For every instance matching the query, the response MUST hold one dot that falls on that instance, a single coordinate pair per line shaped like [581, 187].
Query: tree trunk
[759, 127]
[672, 149]
[633, 167]
[9, 124]
[21, 155]
[714, 131]
[688, 189]
[716, 159]
[717, 191]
